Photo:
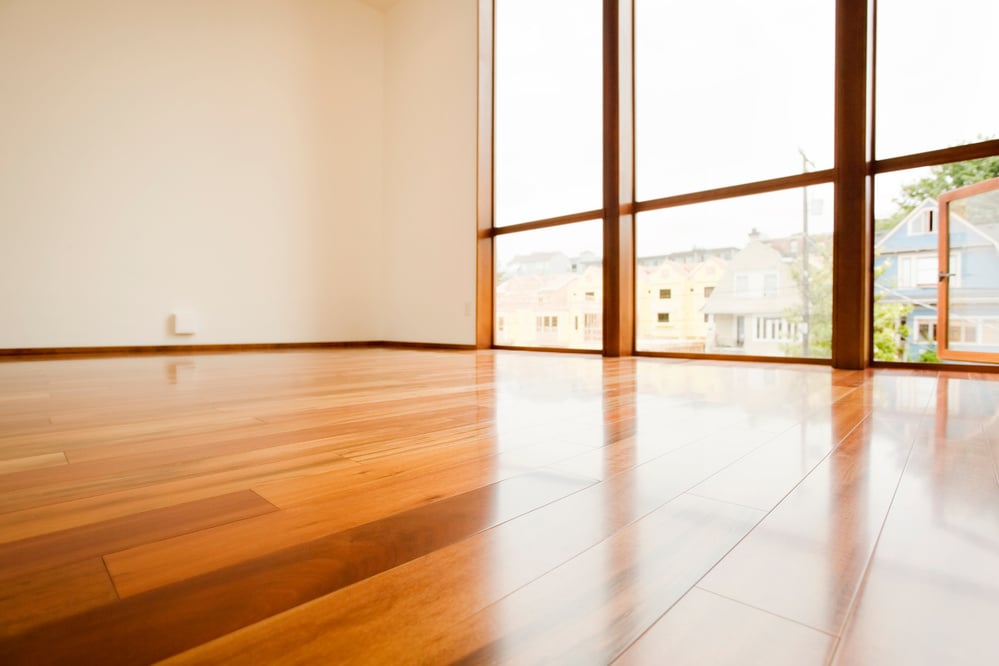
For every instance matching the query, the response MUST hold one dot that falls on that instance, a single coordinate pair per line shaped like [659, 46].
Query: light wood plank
[704, 629]
[33, 462]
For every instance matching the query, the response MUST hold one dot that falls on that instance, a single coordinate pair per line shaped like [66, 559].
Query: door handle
[941, 276]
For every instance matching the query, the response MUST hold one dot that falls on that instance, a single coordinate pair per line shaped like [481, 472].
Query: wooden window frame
[851, 176]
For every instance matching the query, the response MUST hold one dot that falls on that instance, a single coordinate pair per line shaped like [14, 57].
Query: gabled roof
[988, 232]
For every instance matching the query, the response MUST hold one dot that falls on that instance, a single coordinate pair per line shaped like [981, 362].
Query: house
[669, 302]
[550, 310]
[907, 269]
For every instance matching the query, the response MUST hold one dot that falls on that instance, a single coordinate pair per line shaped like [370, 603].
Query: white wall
[223, 156]
[430, 161]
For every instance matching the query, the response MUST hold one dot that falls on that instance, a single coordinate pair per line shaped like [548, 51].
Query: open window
[968, 288]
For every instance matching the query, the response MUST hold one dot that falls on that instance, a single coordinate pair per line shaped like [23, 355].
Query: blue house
[908, 257]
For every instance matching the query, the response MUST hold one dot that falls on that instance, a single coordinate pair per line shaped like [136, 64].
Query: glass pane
[906, 260]
[549, 287]
[548, 123]
[730, 92]
[934, 88]
[973, 286]
[727, 277]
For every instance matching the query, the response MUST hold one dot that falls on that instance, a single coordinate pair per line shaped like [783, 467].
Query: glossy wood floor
[390, 507]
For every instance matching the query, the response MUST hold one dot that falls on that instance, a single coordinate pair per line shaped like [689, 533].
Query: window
[926, 330]
[533, 280]
[758, 284]
[665, 293]
[546, 324]
[923, 270]
[594, 327]
[962, 331]
[771, 135]
[663, 318]
[775, 328]
[922, 223]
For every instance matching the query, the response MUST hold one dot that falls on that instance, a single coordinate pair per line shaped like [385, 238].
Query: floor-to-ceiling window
[936, 115]
[548, 171]
[730, 94]
[759, 130]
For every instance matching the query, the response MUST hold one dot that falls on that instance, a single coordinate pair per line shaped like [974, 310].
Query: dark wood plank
[27, 601]
[413, 604]
[18, 558]
[165, 621]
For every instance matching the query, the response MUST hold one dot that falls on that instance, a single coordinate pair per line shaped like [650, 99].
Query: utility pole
[804, 257]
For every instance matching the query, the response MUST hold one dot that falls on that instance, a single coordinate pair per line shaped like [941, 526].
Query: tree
[890, 333]
[942, 178]
[819, 324]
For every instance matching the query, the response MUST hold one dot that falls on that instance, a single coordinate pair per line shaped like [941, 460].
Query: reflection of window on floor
[663, 318]
[547, 324]
[592, 326]
[962, 331]
[665, 293]
[775, 328]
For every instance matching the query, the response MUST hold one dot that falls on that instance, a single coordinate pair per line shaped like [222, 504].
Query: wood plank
[709, 630]
[33, 462]
[765, 476]
[168, 620]
[28, 601]
[404, 612]
[805, 560]
[591, 608]
[18, 558]
[342, 504]
[35, 521]
[931, 595]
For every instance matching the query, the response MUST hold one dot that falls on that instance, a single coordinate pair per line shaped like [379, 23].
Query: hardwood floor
[401, 506]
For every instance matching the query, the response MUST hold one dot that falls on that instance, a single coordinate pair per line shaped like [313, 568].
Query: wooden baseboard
[136, 350]
[445, 346]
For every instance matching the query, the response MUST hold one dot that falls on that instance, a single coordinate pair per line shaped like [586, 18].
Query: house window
[592, 326]
[922, 270]
[926, 330]
[590, 296]
[770, 284]
[499, 324]
[775, 328]
[708, 291]
[546, 324]
[962, 331]
[665, 293]
[756, 285]
[924, 223]
[663, 318]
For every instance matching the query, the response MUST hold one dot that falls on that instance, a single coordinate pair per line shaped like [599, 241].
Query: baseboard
[424, 345]
[136, 350]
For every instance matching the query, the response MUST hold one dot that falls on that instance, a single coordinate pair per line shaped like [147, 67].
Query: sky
[719, 103]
